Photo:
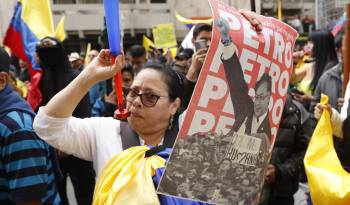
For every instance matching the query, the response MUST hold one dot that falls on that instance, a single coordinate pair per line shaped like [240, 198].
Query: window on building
[158, 1]
[128, 1]
[91, 1]
[64, 1]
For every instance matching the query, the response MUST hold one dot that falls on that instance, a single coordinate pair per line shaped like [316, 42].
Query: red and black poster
[223, 147]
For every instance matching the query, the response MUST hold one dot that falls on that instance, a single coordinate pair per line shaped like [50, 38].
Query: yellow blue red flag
[31, 21]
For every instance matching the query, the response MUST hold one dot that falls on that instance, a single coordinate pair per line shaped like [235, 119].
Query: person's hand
[252, 17]
[102, 67]
[318, 110]
[297, 56]
[196, 65]
[270, 177]
[223, 29]
[302, 97]
[111, 98]
[340, 103]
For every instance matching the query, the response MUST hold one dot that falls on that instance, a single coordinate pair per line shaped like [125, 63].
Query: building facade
[84, 18]
[327, 11]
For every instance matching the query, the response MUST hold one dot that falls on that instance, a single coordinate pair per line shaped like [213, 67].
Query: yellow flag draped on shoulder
[127, 179]
[329, 183]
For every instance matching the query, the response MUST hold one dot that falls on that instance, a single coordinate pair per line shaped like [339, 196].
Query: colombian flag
[31, 21]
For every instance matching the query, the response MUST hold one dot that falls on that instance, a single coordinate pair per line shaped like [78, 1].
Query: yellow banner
[164, 35]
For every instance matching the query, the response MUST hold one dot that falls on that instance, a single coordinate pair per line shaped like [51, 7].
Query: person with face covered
[57, 74]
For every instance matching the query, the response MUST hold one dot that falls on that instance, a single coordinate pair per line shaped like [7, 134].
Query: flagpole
[346, 53]
[113, 29]
[279, 10]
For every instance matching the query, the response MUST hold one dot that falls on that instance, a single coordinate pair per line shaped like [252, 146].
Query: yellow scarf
[127, 179]
[329, 183]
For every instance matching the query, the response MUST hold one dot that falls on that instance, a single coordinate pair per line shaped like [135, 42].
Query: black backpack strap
[171, 134]
[129, 137]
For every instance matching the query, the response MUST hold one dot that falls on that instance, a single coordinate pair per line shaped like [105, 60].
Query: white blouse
[93, 139]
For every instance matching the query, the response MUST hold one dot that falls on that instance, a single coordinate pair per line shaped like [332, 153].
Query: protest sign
[164, 35]
[223, 147]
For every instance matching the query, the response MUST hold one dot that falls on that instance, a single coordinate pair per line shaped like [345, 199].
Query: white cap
[74, 56]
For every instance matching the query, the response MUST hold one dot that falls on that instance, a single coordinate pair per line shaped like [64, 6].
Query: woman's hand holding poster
[223, 147]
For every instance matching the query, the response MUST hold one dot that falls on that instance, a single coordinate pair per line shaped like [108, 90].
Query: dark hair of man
[324, 53]
[172, 79]
[128, 69]
[136, 51]
[5, 61]
[198, 28]
[265, 78]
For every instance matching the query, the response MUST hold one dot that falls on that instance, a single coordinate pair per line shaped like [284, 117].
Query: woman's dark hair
[324, 53]
[173, 79]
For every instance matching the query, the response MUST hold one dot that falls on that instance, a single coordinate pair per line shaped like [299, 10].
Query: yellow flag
[329, 183]
[60, 32]
[38, 17]
[127, 179]
[164, 35]
[146, 43]
[173, 52]
[87, 53]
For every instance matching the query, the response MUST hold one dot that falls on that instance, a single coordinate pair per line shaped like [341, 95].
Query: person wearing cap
[28, 165]
[183, 61]
[77, 61]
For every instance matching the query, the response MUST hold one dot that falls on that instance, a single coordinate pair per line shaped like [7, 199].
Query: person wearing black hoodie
[28, 165]
[57, 74]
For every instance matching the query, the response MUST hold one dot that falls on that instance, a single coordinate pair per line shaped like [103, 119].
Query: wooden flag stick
[346, 51]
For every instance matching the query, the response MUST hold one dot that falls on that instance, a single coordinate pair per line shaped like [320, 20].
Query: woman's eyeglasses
[147, 99]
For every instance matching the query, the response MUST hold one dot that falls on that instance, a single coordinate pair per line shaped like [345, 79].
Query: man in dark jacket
[28, 165]
[286, 165]
[57, 74]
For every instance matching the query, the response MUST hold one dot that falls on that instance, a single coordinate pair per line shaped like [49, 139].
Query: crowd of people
[72, 133]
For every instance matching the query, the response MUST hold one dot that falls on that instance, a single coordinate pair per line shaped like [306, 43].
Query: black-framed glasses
[148, 99]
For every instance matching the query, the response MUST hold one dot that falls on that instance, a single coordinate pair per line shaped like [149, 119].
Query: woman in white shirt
[152, 101]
